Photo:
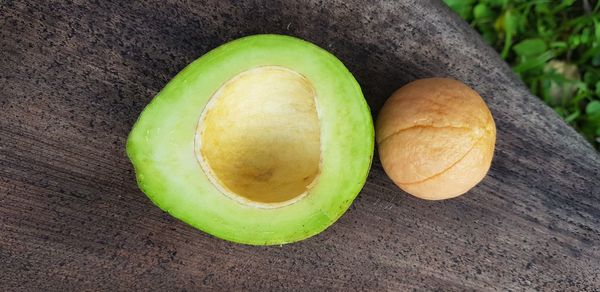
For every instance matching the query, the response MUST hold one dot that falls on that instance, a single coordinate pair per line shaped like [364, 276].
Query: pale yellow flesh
[259, 137]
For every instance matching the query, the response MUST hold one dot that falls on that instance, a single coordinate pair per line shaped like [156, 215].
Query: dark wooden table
[75, 75]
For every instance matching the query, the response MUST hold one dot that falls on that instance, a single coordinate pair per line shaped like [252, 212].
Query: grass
[554, 47]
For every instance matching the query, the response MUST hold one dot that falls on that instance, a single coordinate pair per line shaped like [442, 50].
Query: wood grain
[74, 75]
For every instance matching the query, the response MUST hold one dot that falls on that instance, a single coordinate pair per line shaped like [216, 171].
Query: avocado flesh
[176, 171]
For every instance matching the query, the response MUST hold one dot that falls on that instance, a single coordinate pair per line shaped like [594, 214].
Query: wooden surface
[74, 76]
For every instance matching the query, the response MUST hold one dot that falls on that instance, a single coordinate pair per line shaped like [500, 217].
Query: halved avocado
[264, 140]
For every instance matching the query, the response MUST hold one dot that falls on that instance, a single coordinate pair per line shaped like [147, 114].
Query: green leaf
[530, 47]
[597, 28]
[593, 107]
[598, 88]
[585, 36]
[574, 40]
[591, 55]
[592, 121]
[497, 3]
[483, 13]
[558, 45]
[509, 24]
[461, 7]
[572, 116]
[533, 62]
[542, 8]
[564, 4]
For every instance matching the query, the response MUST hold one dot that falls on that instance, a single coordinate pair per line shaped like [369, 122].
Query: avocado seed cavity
[258, 138]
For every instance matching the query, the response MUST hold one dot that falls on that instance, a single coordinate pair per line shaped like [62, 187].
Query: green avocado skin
[161, 144]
